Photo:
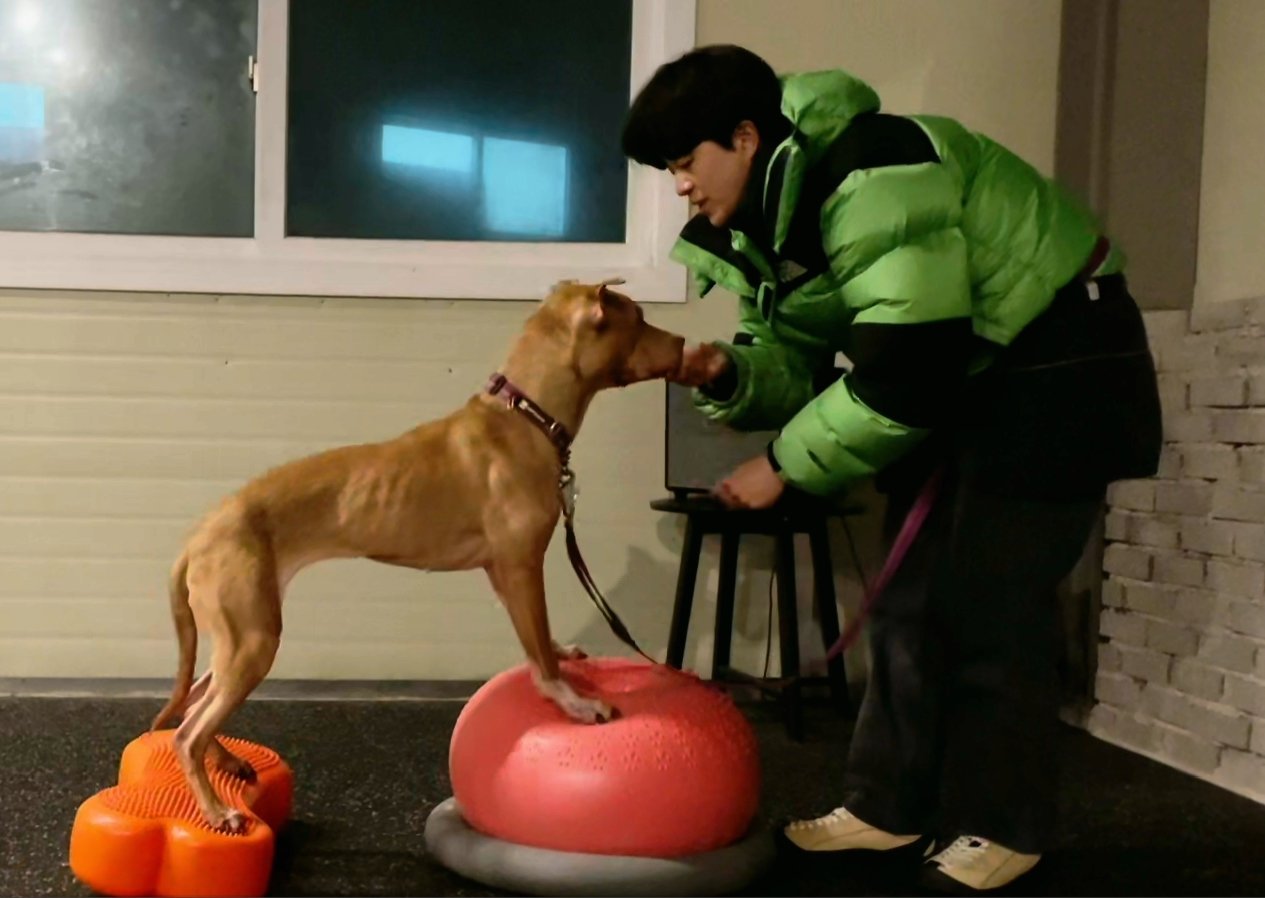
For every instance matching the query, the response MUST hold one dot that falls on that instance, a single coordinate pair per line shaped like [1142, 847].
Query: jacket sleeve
[893, 240]
[770, 381]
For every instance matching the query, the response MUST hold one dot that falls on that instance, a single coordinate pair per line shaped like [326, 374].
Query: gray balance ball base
[541, 871]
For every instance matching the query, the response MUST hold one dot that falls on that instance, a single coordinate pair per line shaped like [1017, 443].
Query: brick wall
[1181, 664]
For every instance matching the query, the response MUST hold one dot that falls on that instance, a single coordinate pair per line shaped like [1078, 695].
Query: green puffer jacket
[908, 243]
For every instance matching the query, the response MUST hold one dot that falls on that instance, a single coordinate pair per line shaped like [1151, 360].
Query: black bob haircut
[703, 95]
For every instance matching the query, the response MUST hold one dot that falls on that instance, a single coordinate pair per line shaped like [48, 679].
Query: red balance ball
[677, 773]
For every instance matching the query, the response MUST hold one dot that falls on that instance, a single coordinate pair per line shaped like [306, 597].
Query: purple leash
[909, 531]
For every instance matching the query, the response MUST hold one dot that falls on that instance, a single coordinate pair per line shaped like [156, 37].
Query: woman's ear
[746, 138]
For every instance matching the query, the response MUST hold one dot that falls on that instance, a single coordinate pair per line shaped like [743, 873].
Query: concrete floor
[367, 773]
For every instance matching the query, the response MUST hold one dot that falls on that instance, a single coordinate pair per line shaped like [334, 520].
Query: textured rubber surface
[676, 774]
[145, 836]
[542, 871]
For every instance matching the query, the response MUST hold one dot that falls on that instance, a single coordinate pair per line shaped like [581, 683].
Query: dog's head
[609, 341]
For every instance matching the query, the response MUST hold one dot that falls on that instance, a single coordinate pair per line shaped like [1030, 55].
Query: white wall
[1181, 671]
[1232, 199]
[123, 417]
[991, 63]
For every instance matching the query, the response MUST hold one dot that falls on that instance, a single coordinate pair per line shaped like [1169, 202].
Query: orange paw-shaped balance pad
[145, 836]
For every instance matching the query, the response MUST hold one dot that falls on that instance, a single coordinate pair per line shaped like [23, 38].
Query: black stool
[705, 515]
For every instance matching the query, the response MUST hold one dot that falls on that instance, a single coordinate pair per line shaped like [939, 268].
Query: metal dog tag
[569, 492]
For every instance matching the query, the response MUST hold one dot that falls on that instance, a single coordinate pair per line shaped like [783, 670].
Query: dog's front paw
[569, 652]
[589, 710]
[574, 705]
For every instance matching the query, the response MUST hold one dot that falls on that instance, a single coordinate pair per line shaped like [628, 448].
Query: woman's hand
[753, 484]
[700, 365]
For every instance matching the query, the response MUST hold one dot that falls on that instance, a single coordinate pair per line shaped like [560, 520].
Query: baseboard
[315, 690]
[1076, 713]
[286, 690]
[1099, 733]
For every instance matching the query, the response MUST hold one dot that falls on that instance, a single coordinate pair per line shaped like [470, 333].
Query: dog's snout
[659, 354]
[674, 348]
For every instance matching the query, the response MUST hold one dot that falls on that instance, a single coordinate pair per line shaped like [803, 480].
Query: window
[505, 133]
[157, 139]
[375, 148]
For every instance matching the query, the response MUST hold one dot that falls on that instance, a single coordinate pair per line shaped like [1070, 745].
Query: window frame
[271, 263]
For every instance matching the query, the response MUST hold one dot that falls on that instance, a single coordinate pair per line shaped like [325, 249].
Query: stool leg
[685, 580]
[725, 589]
[788, 632]
[824, 592]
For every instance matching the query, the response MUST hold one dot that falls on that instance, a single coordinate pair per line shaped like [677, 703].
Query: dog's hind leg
[229, 762]
[240, 667]
[220, 754]
[196, 693]
[244, 618]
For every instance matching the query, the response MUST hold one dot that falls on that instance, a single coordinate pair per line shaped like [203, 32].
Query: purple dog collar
[499, 385]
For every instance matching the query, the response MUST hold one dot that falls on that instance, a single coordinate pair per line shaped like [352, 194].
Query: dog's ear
[568, 282]
[591, 310]
[601, 290]
[595, 311]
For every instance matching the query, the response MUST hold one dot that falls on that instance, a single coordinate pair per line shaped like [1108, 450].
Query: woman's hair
[703, 95]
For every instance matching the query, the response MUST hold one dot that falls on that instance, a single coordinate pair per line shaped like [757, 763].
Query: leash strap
[586, 580]
[567, 493]
[499, 385]
[909, 531]
[1097, 256]
[917, 515]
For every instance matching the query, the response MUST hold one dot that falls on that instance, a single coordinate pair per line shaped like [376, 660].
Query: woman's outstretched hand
[753, 484]
[700, 365]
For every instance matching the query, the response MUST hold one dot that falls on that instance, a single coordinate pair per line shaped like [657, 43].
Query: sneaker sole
[913, 853]
[934, 879]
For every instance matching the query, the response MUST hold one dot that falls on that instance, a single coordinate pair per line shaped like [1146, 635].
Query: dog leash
[567, 492]
[517, 400]
[909, 531]
[499, 385]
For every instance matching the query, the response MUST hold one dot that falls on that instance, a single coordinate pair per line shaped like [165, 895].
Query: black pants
[957, 731]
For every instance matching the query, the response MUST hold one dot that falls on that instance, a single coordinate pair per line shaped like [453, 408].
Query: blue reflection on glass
[525, 187]
[426, 148]
[21, 122]
[21, 106]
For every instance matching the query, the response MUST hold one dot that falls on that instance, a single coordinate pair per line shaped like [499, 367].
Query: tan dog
[477, 489]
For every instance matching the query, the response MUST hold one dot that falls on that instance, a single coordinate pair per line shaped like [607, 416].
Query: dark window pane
[476, 120]
[127, 116]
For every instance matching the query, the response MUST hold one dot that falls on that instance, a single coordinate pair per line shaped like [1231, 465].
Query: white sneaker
[973, 864]
[841, 830]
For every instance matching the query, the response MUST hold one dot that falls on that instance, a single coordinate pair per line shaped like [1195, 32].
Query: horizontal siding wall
[124, 418]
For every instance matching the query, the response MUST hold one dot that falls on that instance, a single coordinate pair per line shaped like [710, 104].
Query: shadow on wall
[643, 596]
